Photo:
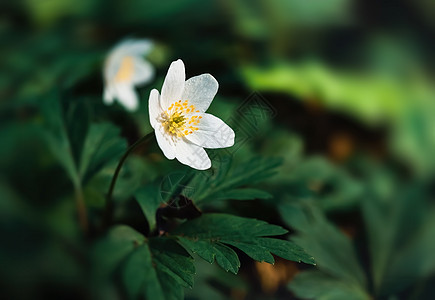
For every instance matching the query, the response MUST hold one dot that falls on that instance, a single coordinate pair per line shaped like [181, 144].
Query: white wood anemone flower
[126, 68]
[182, 127]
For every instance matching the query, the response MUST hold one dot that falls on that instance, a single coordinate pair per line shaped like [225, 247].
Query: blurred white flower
[178, 117]
[124, 69]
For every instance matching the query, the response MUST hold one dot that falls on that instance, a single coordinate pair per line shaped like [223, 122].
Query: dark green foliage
[402, 252]
[335, 256]
[157, 268]
[334, 251]
[318, 285]
[101, 143]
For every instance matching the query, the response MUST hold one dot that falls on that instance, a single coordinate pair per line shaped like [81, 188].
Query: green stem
[109, 202]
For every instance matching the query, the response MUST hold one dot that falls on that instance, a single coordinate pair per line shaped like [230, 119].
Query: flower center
[126, 69]
[179, 119]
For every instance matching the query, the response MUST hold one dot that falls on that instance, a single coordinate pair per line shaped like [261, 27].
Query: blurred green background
[343, 92]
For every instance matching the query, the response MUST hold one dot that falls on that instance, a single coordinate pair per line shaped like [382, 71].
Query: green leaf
[118, 244]
[175, 184]
[402, 252]
[140, 277]
[172, 259]
[319, 286]
[242, 194]
[213, 281]
[253, 171]
[102, 145]
[286, 249]
[227, 181]
[56, 136]
[157, 268]
[316, 177]
[148, 198]
[133, 174]
[209, 251]
[208, 234]
[340, 275]
[333, 251]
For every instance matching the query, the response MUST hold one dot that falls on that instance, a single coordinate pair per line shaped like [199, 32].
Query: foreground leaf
[209, 235]
[157, 268]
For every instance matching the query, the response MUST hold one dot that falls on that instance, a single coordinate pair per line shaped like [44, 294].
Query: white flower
[182, 127]
[125, 68]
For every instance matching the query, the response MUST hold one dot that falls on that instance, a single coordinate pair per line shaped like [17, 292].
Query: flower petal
[212, 133]
[154, 107]
[127, 96]
[192, 155]
[108, 95]
[143, 71]
[200, 91]
[138, 47]
[174, 84]
[111, 67]
[164, 142]
[131, 47]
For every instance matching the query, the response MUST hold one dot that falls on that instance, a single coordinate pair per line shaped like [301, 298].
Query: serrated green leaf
[319, 286]
[172, 259]
[253, 250]
[230, 181]
[206, 234]
[175, 184]
[287, 250]
[172, 290]
[210, 250]
[157, 268]
[228, 226]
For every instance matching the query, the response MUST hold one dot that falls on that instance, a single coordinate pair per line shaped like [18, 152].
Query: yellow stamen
[177, 120]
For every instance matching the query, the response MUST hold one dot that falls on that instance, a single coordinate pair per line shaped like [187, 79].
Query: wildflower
[182, 127]
[125, 68]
